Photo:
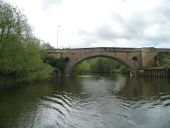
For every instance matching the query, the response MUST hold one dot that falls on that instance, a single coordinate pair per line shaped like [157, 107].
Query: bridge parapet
[103, 49]
[163, 50]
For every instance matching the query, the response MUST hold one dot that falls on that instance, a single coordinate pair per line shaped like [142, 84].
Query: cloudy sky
[99, 23]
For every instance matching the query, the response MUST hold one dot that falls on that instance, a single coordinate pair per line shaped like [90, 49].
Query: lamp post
[57, 34]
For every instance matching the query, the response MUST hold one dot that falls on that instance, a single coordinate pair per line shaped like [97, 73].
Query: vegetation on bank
[20, 51]
[163, 60]
[57, 63]
[100, 65]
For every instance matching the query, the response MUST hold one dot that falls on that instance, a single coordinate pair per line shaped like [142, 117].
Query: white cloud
[96, 23]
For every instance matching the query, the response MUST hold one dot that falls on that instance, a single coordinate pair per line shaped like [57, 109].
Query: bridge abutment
[148, 56]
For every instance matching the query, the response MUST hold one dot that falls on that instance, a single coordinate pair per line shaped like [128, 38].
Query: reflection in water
[88, 102]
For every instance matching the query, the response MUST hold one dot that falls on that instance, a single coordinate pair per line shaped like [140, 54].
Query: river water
[88, 102]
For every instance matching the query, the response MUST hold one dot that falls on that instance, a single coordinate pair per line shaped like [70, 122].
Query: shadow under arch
[70, 66]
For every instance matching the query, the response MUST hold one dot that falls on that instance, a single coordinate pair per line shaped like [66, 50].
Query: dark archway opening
[134, 59]
[66, 60]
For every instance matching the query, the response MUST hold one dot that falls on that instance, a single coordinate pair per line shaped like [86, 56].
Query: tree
[46, 46]
[20, 53]
[13, 26]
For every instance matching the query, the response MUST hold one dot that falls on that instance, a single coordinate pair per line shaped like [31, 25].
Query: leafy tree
[13, 26]
[20, 53]
[46, 46]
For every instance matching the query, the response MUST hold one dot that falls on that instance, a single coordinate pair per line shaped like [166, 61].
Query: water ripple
[60, 102]
[65, 99]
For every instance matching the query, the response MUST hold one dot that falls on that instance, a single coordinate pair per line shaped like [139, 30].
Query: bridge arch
[72, 64]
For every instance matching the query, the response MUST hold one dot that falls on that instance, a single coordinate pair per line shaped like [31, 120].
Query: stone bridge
[134, 58]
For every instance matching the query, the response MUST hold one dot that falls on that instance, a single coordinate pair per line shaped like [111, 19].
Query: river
[88, 102]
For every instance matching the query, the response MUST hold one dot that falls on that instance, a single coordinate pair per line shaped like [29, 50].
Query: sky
[99, 23]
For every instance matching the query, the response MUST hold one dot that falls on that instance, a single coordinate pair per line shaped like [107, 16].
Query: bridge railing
[105, 49]
[163, 50]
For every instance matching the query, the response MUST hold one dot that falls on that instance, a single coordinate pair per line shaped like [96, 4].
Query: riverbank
[6, 82]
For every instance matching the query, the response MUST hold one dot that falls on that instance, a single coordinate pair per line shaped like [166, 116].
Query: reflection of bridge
[133, 58]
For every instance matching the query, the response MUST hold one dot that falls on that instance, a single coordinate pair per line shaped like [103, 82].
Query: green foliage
[163, 60]
[20, 53]
[100, 65]
[46, 46]
[57, 63]
[13, 26]
[82, 68]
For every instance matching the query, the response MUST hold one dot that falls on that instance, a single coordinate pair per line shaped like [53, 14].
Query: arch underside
[70, 66]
